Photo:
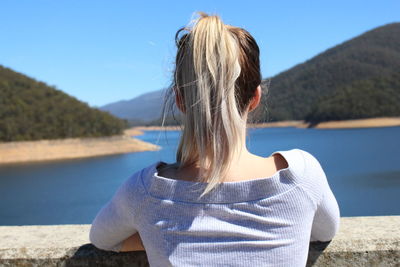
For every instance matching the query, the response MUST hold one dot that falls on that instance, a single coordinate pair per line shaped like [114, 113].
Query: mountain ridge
[124, 108]
[294, 94]
[362, 57]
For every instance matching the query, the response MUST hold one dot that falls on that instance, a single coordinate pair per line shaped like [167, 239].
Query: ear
[255, 101]
[179, 101]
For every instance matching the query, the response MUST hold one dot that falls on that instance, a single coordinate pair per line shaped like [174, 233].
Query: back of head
[216, 75]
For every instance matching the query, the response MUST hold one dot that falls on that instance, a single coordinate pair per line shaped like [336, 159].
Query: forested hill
[356, 79]
[32, 110]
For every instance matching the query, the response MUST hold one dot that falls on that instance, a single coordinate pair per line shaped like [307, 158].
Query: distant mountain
[359, 78]
[32, 110]
[144, 108]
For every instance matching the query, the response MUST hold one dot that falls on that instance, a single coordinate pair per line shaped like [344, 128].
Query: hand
[132, 243]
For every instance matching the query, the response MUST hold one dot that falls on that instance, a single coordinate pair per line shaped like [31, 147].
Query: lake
[362, 166]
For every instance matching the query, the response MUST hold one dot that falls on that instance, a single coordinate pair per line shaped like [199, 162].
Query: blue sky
[105, 51]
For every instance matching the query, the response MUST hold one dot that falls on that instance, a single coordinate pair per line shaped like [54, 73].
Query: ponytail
[205, 79]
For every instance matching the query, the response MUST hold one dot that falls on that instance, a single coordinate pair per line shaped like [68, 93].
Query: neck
[238, 153]
[187, 148]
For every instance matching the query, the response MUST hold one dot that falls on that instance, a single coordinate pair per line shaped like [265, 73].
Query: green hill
[32, 110]
[356, 79]
[376, 97]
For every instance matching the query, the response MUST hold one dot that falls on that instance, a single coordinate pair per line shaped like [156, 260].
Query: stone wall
[361, 241]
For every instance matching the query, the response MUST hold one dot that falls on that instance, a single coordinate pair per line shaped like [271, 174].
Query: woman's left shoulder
[302, 157]
[303, 164]
[294, 158]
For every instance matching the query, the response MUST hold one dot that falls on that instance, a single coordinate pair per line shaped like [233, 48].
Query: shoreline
[72, 148]
[347, 124]
[360, 123]
[75, 148]
[139, 130]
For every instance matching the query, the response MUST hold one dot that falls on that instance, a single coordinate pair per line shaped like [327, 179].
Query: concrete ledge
[361, 241]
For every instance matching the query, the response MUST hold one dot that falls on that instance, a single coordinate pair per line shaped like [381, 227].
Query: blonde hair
[216, 74]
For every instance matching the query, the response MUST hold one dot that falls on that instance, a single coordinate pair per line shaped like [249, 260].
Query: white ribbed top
[261, 222]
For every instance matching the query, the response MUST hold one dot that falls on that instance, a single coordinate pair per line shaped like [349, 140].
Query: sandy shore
[362, 123]
[43, 150]
[276, 124]
[139, 130]
[135, 131]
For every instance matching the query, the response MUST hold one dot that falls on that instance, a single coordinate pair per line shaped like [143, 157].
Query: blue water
[362, 166]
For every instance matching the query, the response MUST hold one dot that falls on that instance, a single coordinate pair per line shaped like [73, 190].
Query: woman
[219, 204]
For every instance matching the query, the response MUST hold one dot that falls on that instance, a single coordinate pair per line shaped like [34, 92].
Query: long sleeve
[326, 219]
[115, 221]
[327, 215]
